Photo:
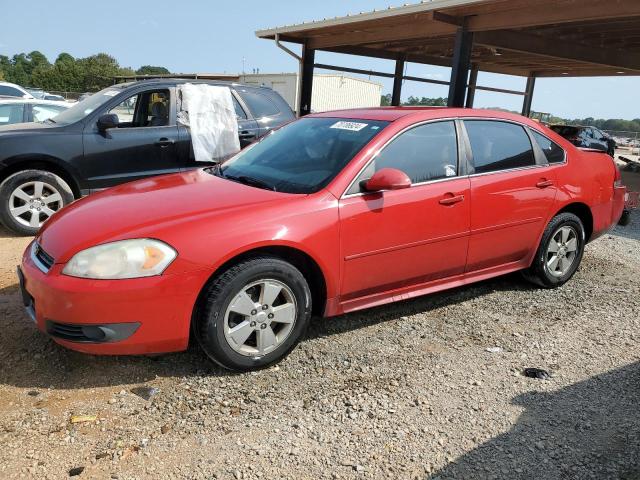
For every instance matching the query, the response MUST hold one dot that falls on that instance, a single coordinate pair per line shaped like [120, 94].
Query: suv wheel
[252, 315]
[28, 198]
[560, 252]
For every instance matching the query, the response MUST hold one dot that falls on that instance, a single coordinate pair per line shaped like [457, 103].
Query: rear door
[143, 145]
[512, 191]
[400, 238]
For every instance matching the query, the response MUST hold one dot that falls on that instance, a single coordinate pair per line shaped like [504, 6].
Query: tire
[546, 271]
[237, 333]
[38, 194]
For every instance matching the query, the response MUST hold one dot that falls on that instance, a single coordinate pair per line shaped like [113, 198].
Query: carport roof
[541, 38]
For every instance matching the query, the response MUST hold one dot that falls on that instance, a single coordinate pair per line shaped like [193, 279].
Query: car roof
[179, 81]
[391, 114]
[35, 101]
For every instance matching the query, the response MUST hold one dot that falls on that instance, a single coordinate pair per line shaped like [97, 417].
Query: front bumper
[146, 315]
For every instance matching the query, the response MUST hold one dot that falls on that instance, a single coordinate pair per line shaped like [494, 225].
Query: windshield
[302, 157]
[86, 106]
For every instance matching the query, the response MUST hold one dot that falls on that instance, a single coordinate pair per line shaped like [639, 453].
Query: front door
[144, 144]
[395, 239]
[511, 194]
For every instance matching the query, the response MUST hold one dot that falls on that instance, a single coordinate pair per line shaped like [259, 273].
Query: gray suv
[125, 132]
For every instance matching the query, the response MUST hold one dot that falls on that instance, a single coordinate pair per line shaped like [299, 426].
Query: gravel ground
[404, 391]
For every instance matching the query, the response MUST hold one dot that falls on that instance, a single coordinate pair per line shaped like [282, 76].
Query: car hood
[33, 127]
[145, 208]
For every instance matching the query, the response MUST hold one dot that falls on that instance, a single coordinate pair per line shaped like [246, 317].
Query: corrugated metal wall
[330, 91]
[335, 92]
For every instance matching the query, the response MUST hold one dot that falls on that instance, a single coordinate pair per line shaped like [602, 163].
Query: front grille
[43, 258]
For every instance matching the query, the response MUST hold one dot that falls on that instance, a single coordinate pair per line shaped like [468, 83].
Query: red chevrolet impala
[333, 213]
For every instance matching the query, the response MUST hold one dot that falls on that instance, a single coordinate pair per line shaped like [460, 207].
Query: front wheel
[252, 315]
[560, 252]
[28, 198]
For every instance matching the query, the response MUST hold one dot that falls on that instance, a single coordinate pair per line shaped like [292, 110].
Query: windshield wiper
[254, 182]
[49, 120]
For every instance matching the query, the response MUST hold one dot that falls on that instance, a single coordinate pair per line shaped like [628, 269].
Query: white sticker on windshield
[111, 93]
[352, 126]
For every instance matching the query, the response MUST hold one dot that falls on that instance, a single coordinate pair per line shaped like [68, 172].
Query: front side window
[499, 145]
[11, 113]
[301, 157]
[553, 151]
[87, 106]
[260, 105]
[146, 109]
[45, 112]
[425, 153]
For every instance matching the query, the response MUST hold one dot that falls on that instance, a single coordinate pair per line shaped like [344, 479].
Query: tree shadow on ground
[589, 430]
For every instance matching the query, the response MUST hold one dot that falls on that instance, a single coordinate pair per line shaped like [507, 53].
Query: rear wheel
[253, 314]
[28, 198]
[560, 252]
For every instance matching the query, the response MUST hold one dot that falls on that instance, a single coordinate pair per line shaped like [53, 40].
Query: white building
[330, 91]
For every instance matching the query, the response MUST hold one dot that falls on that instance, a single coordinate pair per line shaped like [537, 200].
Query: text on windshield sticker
[352, 126]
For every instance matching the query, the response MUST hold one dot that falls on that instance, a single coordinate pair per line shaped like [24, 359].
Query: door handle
[544, 184]
[452, 200]
[165, 142]
[247, 134]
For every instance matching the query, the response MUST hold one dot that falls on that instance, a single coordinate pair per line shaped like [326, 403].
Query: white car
[12, 90]
[27, 110]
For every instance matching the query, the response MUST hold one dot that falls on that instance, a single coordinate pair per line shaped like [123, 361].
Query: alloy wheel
[562, 251]
[32, 203]
[260, 318]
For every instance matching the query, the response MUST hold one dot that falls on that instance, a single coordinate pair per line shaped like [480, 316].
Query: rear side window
[499, 145]
[428, 152]
[10, 91]
[260, 105]
[553, 151]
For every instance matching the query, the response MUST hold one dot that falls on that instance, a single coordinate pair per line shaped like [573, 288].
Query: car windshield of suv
[86, 106]
[302, 157]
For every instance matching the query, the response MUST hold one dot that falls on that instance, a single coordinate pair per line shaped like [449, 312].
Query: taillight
[617, 179]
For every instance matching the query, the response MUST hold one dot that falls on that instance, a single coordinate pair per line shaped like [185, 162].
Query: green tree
[152, 70]
[385, 100]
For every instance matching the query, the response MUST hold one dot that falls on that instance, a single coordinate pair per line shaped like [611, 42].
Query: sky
[191, 36]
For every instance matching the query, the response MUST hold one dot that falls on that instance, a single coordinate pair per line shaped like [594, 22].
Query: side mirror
[107, 121]
[387, 179]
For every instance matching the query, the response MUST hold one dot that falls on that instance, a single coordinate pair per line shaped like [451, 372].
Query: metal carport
[528, 38]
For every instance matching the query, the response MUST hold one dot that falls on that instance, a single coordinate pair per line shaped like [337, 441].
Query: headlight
[118, 260]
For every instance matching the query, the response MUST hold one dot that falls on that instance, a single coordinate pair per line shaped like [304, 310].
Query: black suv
[586, 137]
[125, 132]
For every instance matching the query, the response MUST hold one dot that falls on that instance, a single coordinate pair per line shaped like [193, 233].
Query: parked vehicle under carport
[587, 137]
[125, 132]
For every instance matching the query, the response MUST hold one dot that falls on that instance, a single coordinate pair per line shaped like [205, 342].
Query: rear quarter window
[553, 151]
[259, 104]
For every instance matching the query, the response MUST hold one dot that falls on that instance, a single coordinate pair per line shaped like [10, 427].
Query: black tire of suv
[19, 178]
[539, 273]
[209, 317]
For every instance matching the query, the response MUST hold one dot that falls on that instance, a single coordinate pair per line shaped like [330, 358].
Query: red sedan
[333, 213]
